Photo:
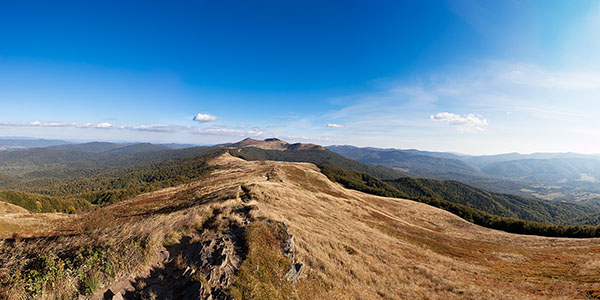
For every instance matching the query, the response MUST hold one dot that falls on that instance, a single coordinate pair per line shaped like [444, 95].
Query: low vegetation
[81, 255]
[261, 275]
[30, 271]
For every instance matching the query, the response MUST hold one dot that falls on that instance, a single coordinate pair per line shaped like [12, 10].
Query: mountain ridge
[347, 245]
[274, 144]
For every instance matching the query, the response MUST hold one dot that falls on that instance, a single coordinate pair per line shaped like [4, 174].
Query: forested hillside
[413, 163]
[107, 185]
[57, 162]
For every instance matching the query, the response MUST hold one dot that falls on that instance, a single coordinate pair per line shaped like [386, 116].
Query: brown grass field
[354, 245]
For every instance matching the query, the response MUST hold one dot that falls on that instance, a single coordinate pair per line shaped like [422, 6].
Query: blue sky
[465, 76]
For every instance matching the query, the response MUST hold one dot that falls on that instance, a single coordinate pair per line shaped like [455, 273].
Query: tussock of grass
[261, 276]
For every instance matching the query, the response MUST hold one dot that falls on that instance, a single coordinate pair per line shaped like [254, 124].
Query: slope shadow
[194, 268]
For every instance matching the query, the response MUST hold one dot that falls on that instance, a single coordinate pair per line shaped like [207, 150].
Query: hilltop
[251, 229]
[275, 144]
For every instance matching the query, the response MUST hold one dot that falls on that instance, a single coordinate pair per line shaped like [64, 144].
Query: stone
[117, 296]
[294, 273]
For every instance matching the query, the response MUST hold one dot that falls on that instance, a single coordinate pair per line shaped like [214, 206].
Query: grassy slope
[504, 205]
[99, 186]
[360, 246]
[399, 189]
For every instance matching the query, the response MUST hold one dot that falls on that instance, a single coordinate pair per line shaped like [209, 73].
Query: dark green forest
[108, 185]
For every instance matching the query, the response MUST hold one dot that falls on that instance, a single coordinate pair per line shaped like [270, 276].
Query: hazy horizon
[77, 141]
[451, 76]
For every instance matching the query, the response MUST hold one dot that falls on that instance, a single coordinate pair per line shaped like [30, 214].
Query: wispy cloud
[217, 130]
[423, 112]
[535, 77]
[334, 125]
[466, 123]
[57, 124]
[200, 117]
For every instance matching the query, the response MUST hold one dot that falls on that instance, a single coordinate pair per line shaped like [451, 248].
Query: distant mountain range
[413, 162]
[553, 176]
[23, 143]
[94, 147]
[484, 160]
[20, 143]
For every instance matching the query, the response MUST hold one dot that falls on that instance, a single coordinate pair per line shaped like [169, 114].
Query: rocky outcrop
[294, 273]
[200, 266]
[203, 264]
[289, 250]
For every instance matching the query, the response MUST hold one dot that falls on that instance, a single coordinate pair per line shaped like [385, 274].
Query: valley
[568, 177]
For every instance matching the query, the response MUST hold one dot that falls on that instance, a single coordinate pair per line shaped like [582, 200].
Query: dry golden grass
[7, 208]
[355, 245]
[27, 224]
[360, 246]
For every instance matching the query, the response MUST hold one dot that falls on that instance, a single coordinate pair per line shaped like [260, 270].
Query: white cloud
[204, 118]
[333, 125]
[467, 123]
[104, 125]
